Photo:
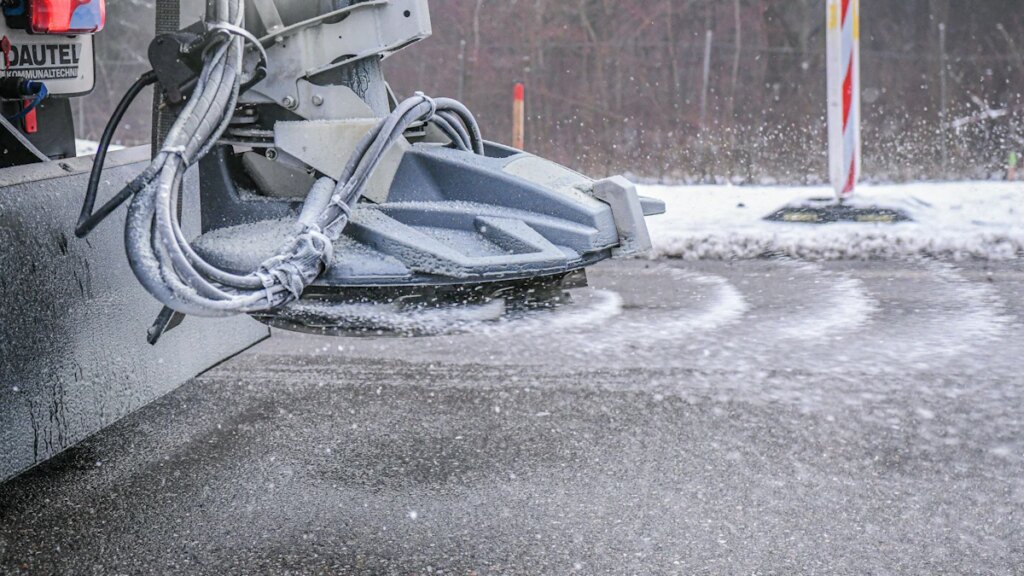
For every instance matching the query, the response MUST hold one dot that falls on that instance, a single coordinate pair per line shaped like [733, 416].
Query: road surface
[760, 417]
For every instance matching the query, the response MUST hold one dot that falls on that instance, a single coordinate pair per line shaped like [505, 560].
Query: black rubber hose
[88, 220]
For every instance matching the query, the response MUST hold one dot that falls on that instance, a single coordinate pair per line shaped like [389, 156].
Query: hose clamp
[232, 30]
[431, 101]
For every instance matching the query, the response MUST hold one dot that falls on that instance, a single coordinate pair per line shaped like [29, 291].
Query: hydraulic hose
[160, 254]
[88, 220]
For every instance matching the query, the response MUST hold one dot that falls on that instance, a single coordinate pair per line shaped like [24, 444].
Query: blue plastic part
[17, 9]
[31, 87]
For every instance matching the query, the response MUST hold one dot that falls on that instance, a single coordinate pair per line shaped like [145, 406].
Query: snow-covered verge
[89, 147]
[955, 221]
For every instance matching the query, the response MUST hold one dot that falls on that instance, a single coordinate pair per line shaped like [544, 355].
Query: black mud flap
[74, 355]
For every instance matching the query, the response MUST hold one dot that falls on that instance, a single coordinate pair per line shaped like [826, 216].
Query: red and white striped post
[519, 116]
[843, 40]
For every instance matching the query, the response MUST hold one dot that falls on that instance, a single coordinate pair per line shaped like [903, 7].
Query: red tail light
[67, 16]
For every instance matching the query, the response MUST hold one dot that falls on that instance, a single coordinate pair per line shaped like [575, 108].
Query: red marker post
[843, 38]
[519, 116]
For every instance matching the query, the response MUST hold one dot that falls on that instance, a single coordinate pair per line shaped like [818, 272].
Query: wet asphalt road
[765, 417]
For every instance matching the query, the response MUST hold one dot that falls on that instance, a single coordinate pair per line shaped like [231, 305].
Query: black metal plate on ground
[828, 211]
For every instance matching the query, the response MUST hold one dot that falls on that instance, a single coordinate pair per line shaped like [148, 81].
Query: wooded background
[618, 85]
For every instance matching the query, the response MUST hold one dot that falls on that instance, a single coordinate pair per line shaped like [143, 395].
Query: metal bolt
[272, 153]
[289, 102]
[318, 100]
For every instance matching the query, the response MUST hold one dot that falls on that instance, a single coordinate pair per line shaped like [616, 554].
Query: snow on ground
[88, 147]
[956, 221]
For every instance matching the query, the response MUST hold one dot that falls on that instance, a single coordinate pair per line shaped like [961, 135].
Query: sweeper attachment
[322, 193]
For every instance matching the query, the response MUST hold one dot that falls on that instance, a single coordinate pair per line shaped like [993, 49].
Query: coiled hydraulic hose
[161, 256]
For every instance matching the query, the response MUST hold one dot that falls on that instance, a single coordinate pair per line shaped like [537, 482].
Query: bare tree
[615, 85]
